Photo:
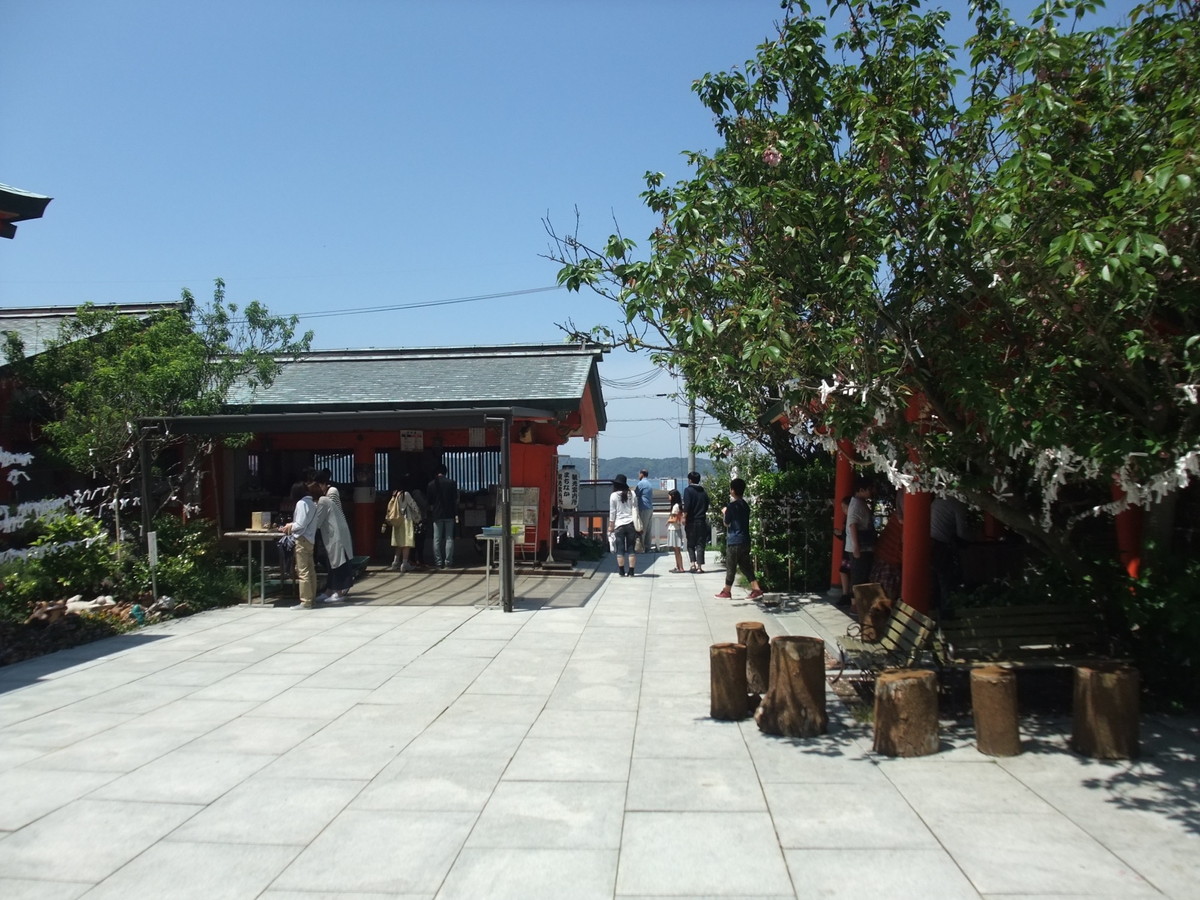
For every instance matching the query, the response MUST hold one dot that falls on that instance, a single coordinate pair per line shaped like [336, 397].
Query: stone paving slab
[413, 743]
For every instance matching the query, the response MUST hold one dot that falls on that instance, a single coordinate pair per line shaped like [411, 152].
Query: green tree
[980, 266]
[104, 370]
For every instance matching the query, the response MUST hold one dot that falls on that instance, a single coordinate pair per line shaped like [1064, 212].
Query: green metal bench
[1036, 636]
[906, 638]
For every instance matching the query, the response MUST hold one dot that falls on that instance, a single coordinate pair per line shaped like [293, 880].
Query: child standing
[675, 528]
[737, 541]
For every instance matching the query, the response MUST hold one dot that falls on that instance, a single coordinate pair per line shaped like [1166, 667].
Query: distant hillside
[670, 467]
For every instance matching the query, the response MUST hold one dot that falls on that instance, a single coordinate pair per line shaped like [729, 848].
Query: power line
[364, 310]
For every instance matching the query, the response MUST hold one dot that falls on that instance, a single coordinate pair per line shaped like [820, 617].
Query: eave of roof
[17, 205]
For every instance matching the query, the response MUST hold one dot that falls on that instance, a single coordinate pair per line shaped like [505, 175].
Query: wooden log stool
[866, 596]
[794, 704]
[727, 671]
[906, 712]
[1105, 715]
[994, 707]
[758, 655]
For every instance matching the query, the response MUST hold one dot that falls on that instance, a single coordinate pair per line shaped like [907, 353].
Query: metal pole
[692, 434]
[594, 461]
[144, 463]
[507, 577]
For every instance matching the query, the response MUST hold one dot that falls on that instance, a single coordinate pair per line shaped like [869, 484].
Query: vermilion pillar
[914, 571]
[1129, 535]
[364, 512]
[842, 487]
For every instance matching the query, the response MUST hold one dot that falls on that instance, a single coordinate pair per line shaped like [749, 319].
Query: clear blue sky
[327, 156]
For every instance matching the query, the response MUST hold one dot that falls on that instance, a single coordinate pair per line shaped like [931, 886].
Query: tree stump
[794, 704]
[865, 595]
[994, 706]
[906, 712]
[727, 670]
[1105, 719]
[758, 655]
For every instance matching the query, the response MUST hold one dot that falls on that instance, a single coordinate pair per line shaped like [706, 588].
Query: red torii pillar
[1128, 524]
[914, 570]
[364, 512]
[842, 487]
[916, 555]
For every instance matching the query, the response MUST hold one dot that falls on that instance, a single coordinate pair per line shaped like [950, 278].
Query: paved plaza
[414, 744]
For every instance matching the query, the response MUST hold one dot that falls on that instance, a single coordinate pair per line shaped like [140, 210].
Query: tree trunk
[906, 712]
[758, 655]
[994, 706]
[727, 668]
[1105, 721]
[795, 701]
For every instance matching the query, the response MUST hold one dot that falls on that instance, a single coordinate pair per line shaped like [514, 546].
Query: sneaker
[322, 597]
[407, 567]
[754, 594]
[305, 604]
[724, 595]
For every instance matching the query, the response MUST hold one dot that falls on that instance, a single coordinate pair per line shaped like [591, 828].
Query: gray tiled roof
[36, 326]
[548, 376]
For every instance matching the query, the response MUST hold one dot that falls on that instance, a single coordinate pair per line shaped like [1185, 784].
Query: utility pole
[594, 460]
[692, 434]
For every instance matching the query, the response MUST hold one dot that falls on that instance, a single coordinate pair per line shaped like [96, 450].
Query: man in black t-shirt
[442, 497]
[695, 521]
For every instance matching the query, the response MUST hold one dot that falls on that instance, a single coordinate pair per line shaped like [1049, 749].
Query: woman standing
[675, 528]
[335, 534]
[622, 509]
[403, 515]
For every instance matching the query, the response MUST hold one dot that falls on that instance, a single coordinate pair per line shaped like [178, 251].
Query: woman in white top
[622, 510]
[675, 528]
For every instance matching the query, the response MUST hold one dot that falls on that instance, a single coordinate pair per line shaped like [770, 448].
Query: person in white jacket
[622, 510]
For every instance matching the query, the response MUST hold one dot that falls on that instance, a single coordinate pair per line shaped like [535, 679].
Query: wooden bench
[1035, 636]
[905, 639]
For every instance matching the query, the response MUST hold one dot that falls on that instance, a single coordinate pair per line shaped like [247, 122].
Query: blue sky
[323, 157]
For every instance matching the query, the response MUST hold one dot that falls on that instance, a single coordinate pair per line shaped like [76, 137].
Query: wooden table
[262, 538]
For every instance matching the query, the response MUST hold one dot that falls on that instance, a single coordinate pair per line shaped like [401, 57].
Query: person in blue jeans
[644, 491]
[737, 542]
[442, 497]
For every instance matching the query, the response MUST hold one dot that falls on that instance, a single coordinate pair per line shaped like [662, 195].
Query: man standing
[860, 533]
[695, 521]
[644, 491]
[736, 516]
[442, 497]
[303, 528]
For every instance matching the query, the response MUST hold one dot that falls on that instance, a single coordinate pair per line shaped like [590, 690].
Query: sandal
[693, 570]
[675, 571]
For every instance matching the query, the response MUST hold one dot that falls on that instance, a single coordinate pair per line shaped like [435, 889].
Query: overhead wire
[423, 304]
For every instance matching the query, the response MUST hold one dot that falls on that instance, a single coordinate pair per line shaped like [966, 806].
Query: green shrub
[791, 517]
[192, 567]
[71, 555]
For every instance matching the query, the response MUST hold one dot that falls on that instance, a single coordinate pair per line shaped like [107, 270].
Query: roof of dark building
[552, 377]
[37, 325]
